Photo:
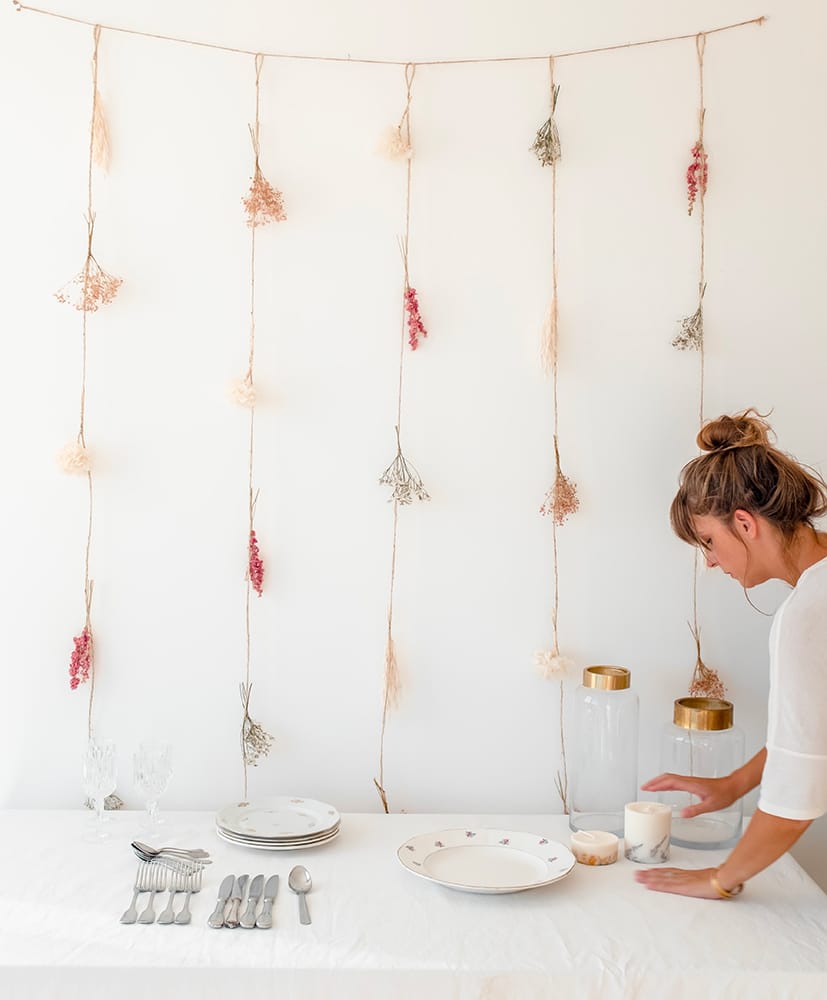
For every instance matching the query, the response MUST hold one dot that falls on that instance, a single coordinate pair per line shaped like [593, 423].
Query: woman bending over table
[751, 510]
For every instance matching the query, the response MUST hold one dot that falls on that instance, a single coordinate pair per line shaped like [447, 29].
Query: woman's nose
[711, 561]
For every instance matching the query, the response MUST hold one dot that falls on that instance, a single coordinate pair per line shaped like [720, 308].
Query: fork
[158, 884]
[143, 881]
[177, 883]
[193, 884]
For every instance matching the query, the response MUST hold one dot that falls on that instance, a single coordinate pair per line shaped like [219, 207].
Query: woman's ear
[745, 524]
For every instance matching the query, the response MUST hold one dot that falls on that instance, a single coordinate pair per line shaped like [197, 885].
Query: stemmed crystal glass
[152, 769]
[99, 779]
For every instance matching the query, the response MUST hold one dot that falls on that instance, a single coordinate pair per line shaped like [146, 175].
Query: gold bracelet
[722, 892]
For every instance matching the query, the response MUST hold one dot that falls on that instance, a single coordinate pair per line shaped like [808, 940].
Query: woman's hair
[741, 470]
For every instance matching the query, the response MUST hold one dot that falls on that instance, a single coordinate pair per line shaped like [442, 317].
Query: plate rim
[275, 847]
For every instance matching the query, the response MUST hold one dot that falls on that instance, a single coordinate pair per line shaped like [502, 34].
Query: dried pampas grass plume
[101, 149]
[75, 459]
[548, 340]
[394, 145]
[551, 665]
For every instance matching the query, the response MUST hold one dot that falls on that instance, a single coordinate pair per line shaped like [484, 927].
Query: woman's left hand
[679, 880]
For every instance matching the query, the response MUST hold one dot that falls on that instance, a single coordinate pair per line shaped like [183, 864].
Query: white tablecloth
[380, 932]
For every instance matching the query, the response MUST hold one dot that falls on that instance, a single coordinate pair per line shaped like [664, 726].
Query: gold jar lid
[607, 678]
[703, 713]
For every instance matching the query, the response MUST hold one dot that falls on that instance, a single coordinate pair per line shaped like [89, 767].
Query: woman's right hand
[714, 793]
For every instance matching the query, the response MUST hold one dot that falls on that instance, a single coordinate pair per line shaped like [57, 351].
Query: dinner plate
[269, 845]
[486, 861]
[248, 838]
[278, 817]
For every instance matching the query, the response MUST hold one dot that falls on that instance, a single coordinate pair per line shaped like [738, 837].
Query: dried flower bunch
[255, 565]
[395, 145]
[242, 392]
[561, 500]
[256, 742]
[551, 665]
[546, 146]
[80, 663]
[404, 480]
[705, 683]
[697, 174]
[263, 203]
[416, 327]
[691, 334]
[75, 459]
[90, 288]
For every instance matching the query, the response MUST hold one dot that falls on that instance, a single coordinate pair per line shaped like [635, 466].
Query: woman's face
[730, 547]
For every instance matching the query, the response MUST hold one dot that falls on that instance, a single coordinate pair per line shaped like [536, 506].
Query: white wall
[476, 729]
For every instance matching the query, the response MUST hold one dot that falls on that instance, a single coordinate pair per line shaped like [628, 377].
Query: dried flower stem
[256, 742]
[403, 478]
[706, 683]
[546, 146]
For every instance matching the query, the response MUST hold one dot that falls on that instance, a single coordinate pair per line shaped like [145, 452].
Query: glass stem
[100, 803]
[151, 810]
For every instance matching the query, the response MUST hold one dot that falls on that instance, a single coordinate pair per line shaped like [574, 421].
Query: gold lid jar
[607, 678]
[708, 714]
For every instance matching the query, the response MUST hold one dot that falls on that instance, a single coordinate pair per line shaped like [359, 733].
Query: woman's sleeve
[794, 782]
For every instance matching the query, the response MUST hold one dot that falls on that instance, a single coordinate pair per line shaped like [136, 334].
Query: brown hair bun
[742, 430]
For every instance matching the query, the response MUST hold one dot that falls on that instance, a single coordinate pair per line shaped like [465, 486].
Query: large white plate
[486, 861]
[278, 817]
[269, 845]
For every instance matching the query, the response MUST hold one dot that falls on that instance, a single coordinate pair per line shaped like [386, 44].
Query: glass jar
[604, 761]
[702, 742]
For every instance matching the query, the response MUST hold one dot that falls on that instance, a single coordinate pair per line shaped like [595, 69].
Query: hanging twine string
[256, 742]
[404, 479]
[705, 681]
[388, 62]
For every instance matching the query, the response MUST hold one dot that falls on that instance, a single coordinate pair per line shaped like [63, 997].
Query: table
[380, 932]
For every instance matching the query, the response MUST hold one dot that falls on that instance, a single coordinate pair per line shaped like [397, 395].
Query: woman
[751, 510]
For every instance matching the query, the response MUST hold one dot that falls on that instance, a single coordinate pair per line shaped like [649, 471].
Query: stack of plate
[280, 823]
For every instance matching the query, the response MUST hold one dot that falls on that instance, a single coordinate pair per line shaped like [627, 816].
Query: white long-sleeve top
[794, 782]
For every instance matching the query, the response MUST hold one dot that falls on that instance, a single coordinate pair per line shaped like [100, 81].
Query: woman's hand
[679, 880]
[714, 793]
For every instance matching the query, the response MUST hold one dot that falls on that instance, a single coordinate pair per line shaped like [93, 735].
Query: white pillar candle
[594, 847]
[646, 832]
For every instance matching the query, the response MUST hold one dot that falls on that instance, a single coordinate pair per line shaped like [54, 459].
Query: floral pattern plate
[486, 861]
[279, 818]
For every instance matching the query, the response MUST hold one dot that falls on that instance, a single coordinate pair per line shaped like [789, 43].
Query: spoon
[300, 882]
[183, 852]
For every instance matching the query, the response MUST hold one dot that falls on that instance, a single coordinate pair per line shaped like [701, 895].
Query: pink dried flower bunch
[706, 683]
[256, 566]
[81, 661]
[263, 203]
[90, 288]
[697, 174]
[416, 327]
[561, 500]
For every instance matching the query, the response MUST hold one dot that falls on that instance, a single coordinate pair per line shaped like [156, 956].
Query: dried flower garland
[416, 328]
[263, 203]
[256, 566]
[561, 500]
[546, 145]
[91, 287]
[405, 482]
[256, 742]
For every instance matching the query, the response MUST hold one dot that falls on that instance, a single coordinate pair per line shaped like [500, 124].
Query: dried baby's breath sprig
[242, 392]
[90, 288]
[691, 336]
[394, 144]
[256, 742]
[706, 682]
[403, 477]
[263, 203]
[546, 146]
[74, 459]
[561, 500]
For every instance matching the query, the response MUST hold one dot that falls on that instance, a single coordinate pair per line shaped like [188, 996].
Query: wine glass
[152, 769]
[99, 778]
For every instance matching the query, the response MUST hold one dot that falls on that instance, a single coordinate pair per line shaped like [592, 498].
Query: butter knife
[216, 919]
[231, 920]
[265, 918]
[248, 917]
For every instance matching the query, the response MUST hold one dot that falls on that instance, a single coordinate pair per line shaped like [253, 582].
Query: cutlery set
[228, 910]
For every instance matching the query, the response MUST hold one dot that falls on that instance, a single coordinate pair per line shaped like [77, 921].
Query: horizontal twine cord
[386, 62]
